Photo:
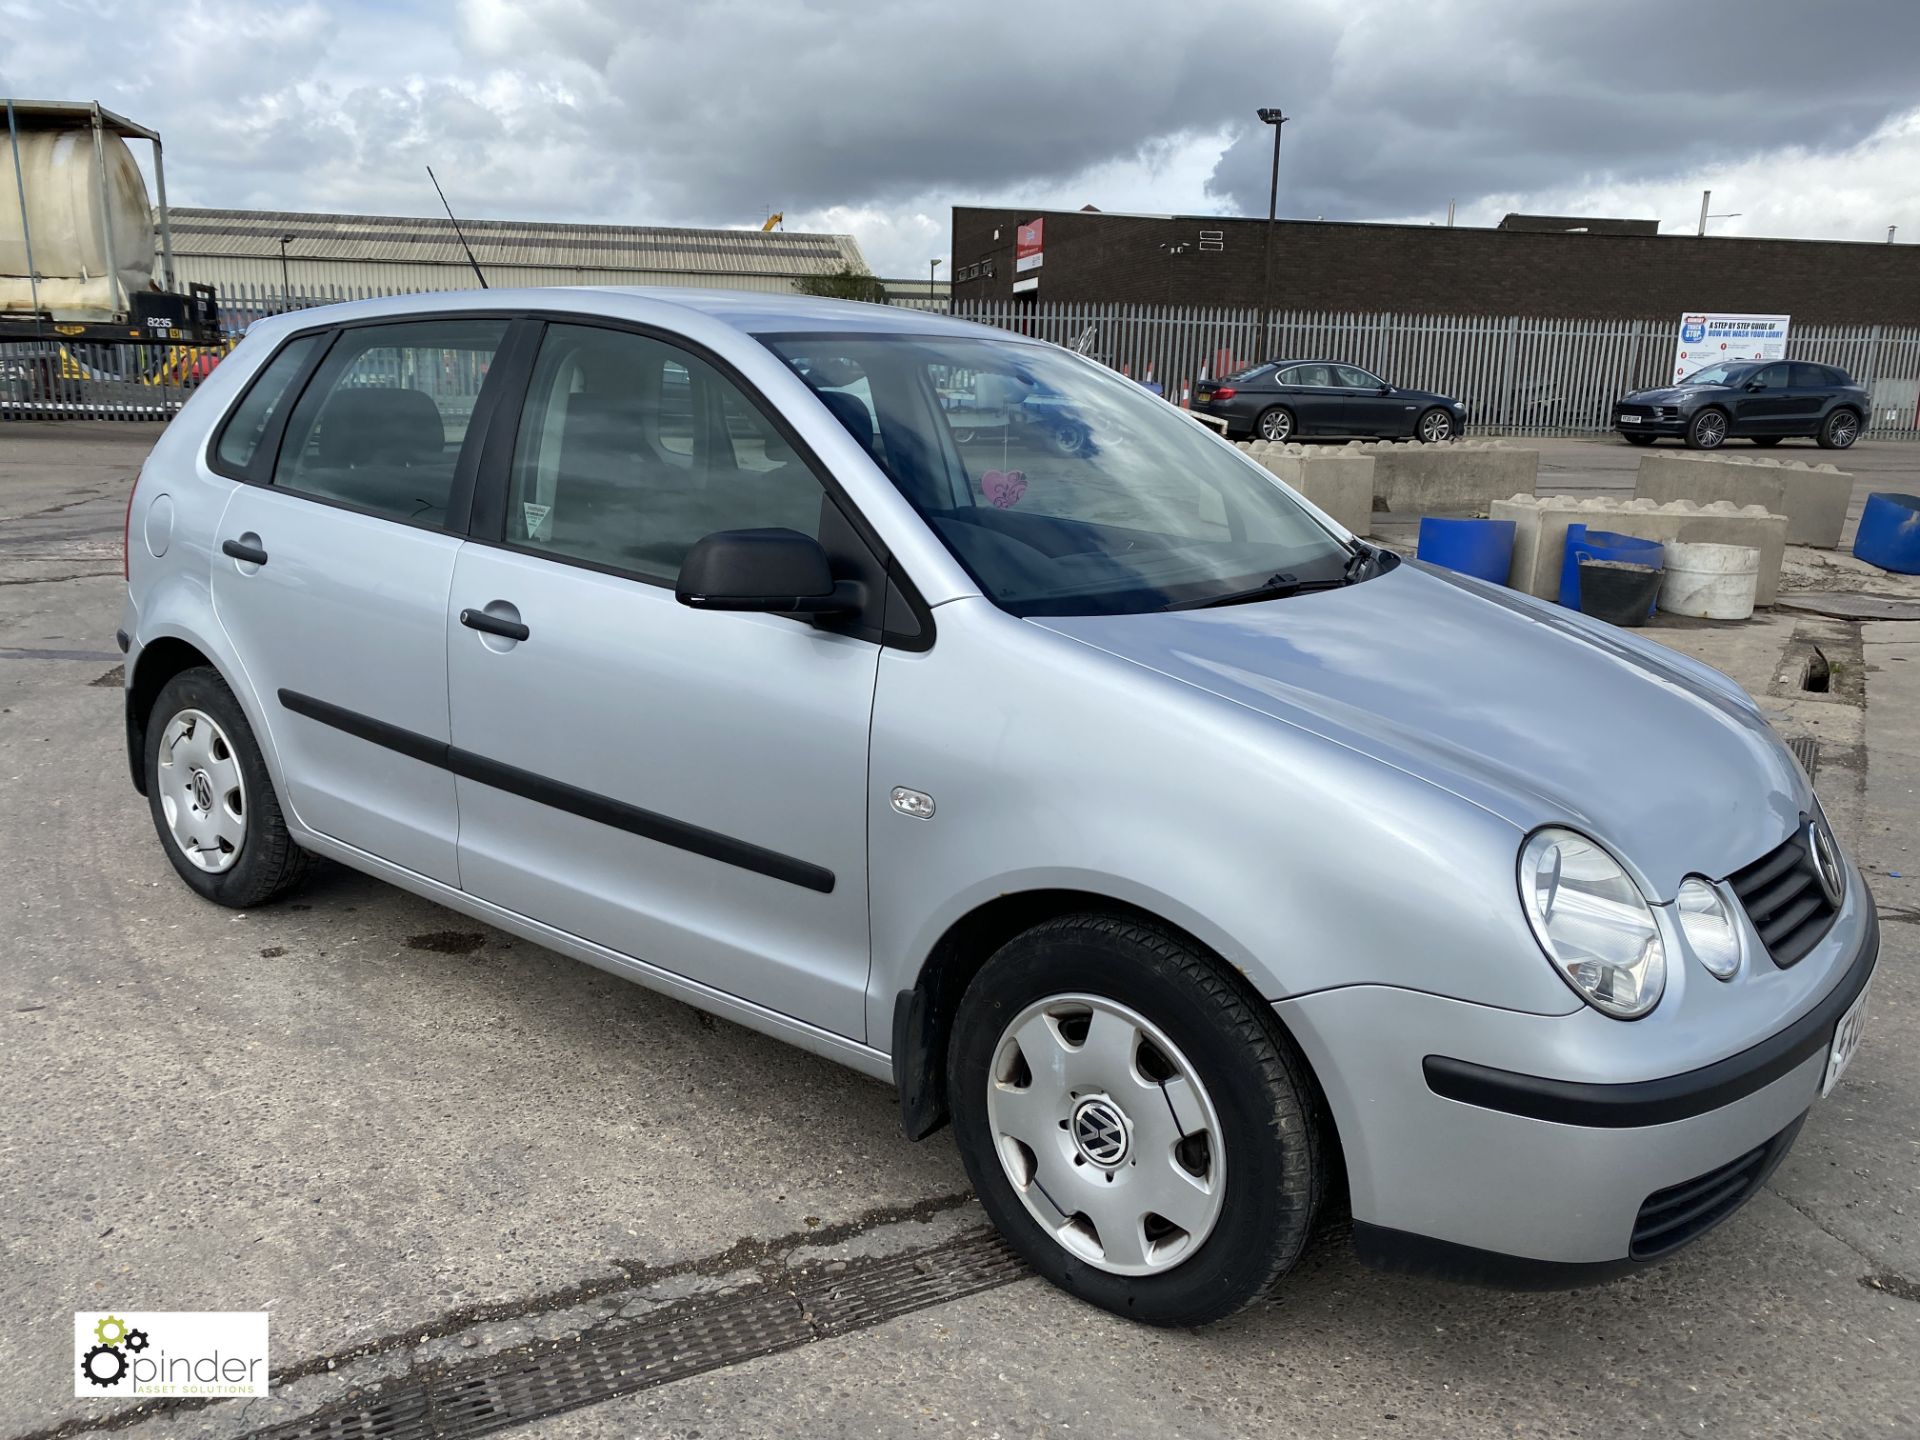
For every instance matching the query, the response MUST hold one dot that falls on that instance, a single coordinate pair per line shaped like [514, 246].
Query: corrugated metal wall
[1516, 375]
[237, 275]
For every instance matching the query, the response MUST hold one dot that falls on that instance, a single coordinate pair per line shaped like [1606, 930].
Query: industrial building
[261, 256]
[1543, 266]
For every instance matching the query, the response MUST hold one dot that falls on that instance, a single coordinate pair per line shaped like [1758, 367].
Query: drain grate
[1806, 750]
[813, 1304]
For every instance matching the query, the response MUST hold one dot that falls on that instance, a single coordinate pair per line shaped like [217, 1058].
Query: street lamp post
[1270, 115]
[932, 265]
[286, 286]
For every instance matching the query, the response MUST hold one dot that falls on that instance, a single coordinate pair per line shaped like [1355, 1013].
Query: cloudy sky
[874, 117]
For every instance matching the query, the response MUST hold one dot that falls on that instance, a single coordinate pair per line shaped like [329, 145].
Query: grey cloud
[1482, 98]
[706, 113]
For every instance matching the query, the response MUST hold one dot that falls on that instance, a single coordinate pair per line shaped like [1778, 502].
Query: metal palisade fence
[1517, 375]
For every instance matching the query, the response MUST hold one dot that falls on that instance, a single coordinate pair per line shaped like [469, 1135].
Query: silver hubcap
[1844, 429]
[1106, 1134]
[202, 792]
[1711, 429]
[1276, 426]
[1435, 427]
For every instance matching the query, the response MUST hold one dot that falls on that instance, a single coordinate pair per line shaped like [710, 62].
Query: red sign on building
[1027, 246]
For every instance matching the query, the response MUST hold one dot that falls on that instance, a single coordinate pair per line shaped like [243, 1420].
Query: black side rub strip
[647, 824]
[1673, 1097]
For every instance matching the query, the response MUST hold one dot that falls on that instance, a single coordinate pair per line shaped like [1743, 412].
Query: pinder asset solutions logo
[161, 1353]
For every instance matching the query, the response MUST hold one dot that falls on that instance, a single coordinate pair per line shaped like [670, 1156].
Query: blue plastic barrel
[1585, 544]
[1481, 548]
[1889, 534]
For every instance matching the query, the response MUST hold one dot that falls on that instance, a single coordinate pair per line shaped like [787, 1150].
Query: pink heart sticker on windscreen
[1004, 488]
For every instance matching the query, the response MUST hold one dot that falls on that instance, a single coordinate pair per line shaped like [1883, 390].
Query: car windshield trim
[1061, 487]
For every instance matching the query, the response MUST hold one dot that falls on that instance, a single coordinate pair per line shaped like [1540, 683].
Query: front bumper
[1477, 1170]
[1630, 423]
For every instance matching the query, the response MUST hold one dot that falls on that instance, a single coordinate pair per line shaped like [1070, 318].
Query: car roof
[748, 311]
[1318, 360]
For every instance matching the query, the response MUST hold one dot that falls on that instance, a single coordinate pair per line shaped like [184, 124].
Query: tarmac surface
[434, 1152]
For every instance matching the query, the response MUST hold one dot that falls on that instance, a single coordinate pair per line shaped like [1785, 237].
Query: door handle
[494, 625]
[240, 550]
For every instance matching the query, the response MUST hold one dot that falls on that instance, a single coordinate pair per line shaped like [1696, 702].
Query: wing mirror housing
[773, 572]
[1755, 385]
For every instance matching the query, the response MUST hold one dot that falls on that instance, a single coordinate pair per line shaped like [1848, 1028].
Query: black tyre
[1639, 439]
[1841, 429]
[1707, 430]
[211, 799]
[1434, 426]
[1142, 1131]
[1275, 424]
[1766, 441]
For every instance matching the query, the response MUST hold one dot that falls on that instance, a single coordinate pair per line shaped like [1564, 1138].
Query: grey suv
[1762, 401]
[1107, 800]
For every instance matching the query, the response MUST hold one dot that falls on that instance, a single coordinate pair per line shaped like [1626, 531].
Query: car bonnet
[1536, 714]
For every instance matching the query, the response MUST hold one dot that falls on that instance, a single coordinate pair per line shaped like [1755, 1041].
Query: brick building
[1102, 258]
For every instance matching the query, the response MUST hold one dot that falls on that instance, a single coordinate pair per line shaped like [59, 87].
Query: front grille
[1672, 1217]
[1623, 408]
[1784, 899]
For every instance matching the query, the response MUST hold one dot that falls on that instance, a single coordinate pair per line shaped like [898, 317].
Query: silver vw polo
[1208, 868]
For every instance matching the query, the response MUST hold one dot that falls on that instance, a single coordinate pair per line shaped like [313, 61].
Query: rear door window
[1312, 376]
[381, 425]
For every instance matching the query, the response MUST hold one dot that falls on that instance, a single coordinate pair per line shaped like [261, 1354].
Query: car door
[684, 787]
[1320, 407]
[1762, 403]
[1372, 406]
[332, 573]
[1813, 390]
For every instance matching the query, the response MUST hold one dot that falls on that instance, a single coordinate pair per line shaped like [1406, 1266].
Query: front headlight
[1593, 922]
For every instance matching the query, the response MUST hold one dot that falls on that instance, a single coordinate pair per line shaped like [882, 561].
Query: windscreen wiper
[1274, 587]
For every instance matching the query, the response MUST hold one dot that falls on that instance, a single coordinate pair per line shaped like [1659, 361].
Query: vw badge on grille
[1826, 862]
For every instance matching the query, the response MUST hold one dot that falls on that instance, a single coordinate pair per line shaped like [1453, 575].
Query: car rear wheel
[1143, 1133]
[211, 797]
[1639, 439]
[1435, 426]
[1766, 440]
[1707, 430]
[1840, 431]
[1275, 424]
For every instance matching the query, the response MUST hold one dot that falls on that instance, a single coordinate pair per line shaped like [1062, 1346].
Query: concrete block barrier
[1540, 533]
[1812, 497]
[1460, 476]
[1338, 481]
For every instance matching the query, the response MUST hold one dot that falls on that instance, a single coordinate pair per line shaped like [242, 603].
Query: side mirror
[774, 572]
[1385, 390]
[1755, 385]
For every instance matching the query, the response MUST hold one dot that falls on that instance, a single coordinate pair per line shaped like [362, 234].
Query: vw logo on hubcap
[1100, 1132]
[202, 790]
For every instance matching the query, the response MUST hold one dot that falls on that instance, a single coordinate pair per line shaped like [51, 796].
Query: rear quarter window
[247, 422]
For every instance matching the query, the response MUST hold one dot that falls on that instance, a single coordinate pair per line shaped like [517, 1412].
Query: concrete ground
[423, 1145]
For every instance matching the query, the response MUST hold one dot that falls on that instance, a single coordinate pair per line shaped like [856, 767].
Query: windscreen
[1063, 488]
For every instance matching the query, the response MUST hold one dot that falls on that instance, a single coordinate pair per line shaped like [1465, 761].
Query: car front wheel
[1144, 1134]
[1707, 430]
[211, 797]
[1840, 431]
[1435, 426]
[1275, 424]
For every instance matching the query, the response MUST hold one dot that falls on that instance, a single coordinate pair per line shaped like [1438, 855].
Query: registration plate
[1629, 419]
[1846, 1042]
